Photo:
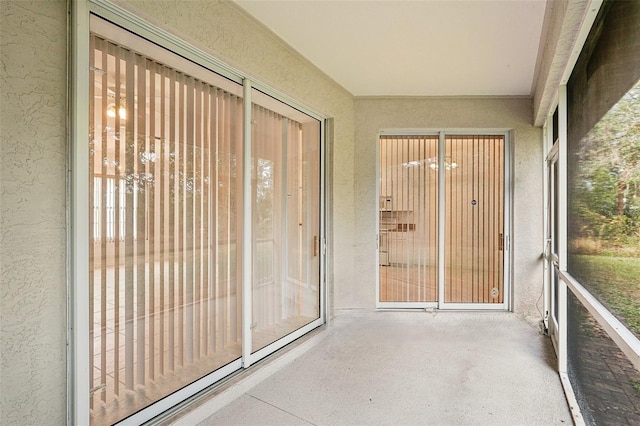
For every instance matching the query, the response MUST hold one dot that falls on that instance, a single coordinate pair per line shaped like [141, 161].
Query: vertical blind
[474, 219]
[408, 218]
[286, 223]
[165, 199]
[164, 270]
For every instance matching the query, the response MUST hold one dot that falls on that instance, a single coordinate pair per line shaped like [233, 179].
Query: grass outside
[615, 281]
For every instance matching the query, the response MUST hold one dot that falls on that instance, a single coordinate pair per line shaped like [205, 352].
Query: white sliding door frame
[78, 365]
[507, 303]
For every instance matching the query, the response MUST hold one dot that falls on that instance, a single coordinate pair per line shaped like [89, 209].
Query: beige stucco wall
[229, 34]
[375, 114]
[33, 304]
[32, 201]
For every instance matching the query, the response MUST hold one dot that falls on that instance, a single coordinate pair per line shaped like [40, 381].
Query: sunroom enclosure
[204, 251]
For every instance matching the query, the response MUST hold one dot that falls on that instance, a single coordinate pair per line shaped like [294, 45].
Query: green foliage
[615, 281]
[605, 179]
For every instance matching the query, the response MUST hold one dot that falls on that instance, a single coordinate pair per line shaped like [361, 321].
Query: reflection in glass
[164, 249]
[286, 220]
[408, 218]
[474, 220]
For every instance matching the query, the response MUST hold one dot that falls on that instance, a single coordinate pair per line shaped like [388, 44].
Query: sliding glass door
[166, 265]
[286, 220]
[443, 237]
[408, 219]
[474, 236]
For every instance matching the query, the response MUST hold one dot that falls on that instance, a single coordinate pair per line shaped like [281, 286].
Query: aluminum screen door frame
[507, 209]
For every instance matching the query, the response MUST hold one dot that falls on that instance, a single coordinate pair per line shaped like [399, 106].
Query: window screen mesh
[606, 384]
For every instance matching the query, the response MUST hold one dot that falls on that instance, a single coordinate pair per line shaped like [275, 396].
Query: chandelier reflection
[449, 164]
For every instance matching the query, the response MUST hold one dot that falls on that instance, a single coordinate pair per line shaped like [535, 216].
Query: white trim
[178, 396]
[507, 303]
[407, 305]
[441, 218]
[379, 304]
[283, 341]
[587, 22]
[574, 407]
[562, 178]
[547, 134]
[619, 333]
[78, 347]
[323, 253]
[243, 384]
[508, 222]
[475, 306]
[562, 227]
[247, 219]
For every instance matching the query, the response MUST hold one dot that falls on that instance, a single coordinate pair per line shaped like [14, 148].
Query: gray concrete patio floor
[402, 368]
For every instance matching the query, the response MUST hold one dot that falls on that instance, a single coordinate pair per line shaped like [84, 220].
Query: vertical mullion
[419, 190]
[474, 219]
[93, 45]
[397, 273]
[103, 227]
[441, 220]
[246, 225]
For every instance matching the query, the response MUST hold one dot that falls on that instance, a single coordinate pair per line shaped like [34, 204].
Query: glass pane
[408, 234]
[474, 235]
[165, 210]
[286, 220]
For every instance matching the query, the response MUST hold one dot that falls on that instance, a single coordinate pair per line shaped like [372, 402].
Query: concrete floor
[402, 368]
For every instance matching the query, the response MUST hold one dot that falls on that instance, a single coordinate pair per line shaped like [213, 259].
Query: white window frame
[78, 363]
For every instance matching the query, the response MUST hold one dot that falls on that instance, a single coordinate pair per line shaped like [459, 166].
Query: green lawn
[615, 281]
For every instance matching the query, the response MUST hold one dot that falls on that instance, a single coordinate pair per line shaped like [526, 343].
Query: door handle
[500, 241]
[316, 245]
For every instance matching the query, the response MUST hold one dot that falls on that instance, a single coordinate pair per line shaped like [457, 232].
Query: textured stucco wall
[374, 114]
[33, 174]
[32, 206]
[231, 35]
